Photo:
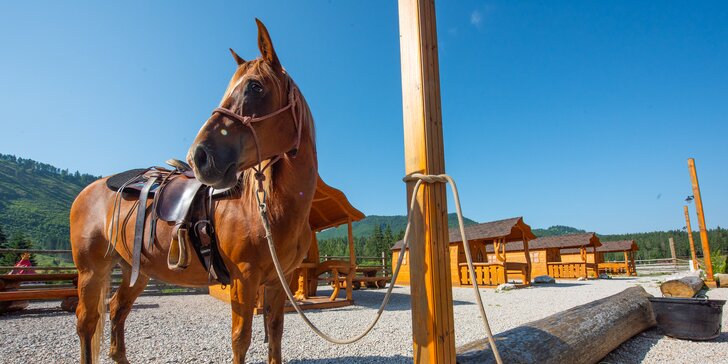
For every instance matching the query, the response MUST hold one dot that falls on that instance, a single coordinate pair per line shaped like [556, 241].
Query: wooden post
[672, 251]
[690, 238]
[701, 221]
[384, 263]
[352, 262]
[431, 288]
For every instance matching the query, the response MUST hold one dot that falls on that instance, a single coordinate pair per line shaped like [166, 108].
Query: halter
[296, 112]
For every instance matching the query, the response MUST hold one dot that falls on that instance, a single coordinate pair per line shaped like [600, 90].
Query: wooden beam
[701, 220]
[672, 251]
[690, 238]
[431, 288]
[352, 261]
[583, 334]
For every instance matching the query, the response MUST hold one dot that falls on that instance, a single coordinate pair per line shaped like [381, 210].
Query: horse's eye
[256, 87]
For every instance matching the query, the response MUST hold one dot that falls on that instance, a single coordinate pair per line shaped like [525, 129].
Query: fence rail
[665, 265]
[154, 287]
[363, 261]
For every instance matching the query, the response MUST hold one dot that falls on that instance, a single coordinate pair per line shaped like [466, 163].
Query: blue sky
[573, 113]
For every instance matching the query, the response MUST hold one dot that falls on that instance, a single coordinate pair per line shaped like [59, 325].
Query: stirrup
[177, 258]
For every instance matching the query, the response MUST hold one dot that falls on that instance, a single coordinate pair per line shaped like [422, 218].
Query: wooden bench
[12, 290]
[370, 278]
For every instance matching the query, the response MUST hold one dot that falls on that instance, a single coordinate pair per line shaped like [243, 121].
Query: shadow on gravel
[635, 349]
[562, 284]
[356, 359]
[35, 312]
[371, 298]
[56, 312]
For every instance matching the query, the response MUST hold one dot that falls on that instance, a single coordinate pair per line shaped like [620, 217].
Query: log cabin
[488, 235]
[626, 267]
[544, 255]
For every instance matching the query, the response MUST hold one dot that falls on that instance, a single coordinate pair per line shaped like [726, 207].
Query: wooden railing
[154, 287]
[616, 268]
[661, 266]
[486, 274]
[567, 269]
[363, 261]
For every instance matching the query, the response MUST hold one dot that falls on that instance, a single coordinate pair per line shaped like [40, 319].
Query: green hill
[366, 226]
[556, 230]
[35, 199]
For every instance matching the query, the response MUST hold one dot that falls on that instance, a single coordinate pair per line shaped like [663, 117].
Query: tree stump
[583, 334]
[686, 287]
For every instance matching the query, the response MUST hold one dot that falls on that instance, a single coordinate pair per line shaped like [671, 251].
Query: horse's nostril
[200, 158]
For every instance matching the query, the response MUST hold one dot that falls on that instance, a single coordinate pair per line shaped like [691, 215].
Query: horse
[259, 141]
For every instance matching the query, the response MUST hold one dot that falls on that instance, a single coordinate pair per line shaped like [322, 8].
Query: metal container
[688, 318]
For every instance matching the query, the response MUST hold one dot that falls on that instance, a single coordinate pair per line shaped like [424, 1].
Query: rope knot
[426, 178]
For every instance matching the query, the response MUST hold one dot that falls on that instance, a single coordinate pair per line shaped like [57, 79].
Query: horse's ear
[266, 46]
[239, 60]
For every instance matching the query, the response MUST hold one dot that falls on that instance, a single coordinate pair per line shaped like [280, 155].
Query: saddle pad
[116, 181]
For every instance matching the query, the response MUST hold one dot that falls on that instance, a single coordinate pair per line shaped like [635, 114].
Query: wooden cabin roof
[559, 242]
[331, 208]
[511, 229]
[609, 247]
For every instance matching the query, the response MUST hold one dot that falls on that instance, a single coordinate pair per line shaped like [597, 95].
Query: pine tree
[18, 241]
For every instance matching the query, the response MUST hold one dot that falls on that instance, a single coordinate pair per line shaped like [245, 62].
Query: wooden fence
[659, 266]
[154, 287]
[363, 261]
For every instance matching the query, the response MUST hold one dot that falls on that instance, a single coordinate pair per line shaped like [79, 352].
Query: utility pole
[701, 222]
[433, 335]
[690, 238]
[672, 252]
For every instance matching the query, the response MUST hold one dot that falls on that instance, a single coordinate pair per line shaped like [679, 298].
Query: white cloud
[476, 18]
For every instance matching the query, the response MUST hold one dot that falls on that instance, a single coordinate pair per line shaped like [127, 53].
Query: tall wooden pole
[431, 289]
[690, 238]
[701, 220]
[672, 251]
[352, 262]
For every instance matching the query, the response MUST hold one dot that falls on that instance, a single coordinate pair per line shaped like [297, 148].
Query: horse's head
[255, 121]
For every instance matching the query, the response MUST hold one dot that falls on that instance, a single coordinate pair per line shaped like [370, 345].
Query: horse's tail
[99, 332]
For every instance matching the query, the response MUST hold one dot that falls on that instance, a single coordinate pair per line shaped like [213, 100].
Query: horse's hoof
[119, 358]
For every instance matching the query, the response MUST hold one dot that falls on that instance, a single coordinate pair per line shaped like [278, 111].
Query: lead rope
[420, 178]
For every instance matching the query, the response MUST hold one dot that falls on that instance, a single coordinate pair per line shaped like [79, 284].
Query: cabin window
[491, 258]
[534, 257]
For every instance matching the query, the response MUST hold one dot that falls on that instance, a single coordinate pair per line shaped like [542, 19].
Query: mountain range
[35, 199]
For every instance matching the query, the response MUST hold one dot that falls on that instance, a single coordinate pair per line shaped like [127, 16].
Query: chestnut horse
[262, 120]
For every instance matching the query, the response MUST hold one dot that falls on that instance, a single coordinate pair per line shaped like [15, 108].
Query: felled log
[686, 287]
[583, 334]
[722, 279]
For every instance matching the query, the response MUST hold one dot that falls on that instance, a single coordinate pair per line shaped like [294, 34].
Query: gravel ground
[157, 332]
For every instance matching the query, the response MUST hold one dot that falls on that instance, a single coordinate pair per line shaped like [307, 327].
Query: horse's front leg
[243, 291]
[275, 300]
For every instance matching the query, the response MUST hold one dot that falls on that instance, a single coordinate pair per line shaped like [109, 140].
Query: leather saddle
[177, 198]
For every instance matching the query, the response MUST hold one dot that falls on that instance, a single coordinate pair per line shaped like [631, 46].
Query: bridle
[296, 112]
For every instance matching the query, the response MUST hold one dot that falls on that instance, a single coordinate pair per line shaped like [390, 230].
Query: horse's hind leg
[93, 283]
[119, 308]
[275, 298]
